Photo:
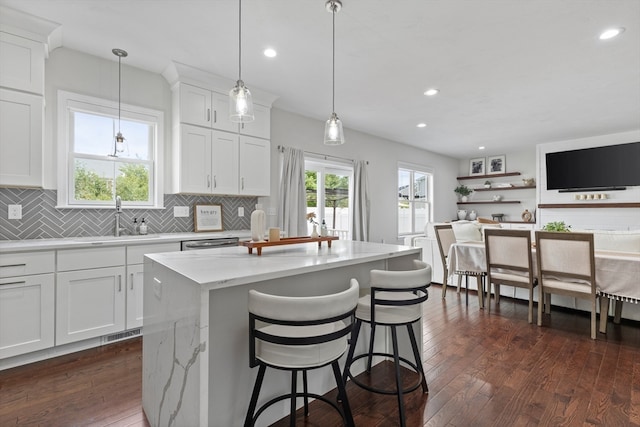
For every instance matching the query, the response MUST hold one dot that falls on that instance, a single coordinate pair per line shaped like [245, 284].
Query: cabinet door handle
[208, 181]
[215, 116]
[208, 114]
[242, 126]
[242, 179]
[22, 282]
[131, 281]
[119, 282]
[215, 182]
[12, 265]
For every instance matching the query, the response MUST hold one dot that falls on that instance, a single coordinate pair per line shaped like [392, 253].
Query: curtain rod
[281, 149]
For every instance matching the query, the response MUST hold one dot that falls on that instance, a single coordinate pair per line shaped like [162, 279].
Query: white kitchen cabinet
[89, 303]
[255, 166]
[135, 279]
[21, 63]
[21, 115]
[203, 107]
[90, 293]
[208, 161]
[260, 127]
[27, 302]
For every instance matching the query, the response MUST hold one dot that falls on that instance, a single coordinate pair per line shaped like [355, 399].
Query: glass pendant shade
[333, 134]
[119, 143]
[240, 104]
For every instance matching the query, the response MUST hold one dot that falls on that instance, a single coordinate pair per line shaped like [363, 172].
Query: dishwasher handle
[209, 244]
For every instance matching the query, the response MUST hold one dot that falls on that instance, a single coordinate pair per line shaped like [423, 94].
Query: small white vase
[464, 199]
[314, 233]
[473, 215]
[462, 214]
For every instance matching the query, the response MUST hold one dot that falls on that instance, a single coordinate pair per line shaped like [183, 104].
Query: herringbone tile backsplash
[41, 219]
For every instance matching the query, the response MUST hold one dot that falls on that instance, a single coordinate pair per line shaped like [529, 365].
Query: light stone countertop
[231, 266]
[93, 241]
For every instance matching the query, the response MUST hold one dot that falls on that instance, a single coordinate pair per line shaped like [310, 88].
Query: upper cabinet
[211, 154]
[22, 63]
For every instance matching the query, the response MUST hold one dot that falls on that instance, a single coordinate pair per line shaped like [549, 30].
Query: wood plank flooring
[483, 369]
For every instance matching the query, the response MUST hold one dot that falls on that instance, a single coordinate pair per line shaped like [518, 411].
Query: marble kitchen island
[195, 346]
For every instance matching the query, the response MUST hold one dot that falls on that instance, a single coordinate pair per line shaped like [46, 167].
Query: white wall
[89, 75]
[588, 218]
[291, 130]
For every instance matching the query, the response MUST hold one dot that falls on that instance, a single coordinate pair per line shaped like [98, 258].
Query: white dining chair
[446, 237]
[566, 266]
[509, 262]
[298, 334]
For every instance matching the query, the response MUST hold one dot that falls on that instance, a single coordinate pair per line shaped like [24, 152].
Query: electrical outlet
[240, 211]
[14, 211]
[180, 211]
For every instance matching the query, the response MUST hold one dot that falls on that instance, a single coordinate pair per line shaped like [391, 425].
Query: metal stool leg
[342, 392]
[306, 398]
[373, 333]
[294, 387]
[416, 354]
[352, 348]
[396, 360]
[248, 422]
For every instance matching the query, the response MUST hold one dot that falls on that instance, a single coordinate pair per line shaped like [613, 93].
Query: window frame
[428, 200]
[69, 102]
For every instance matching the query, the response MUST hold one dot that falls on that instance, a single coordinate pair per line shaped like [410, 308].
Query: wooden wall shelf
[495, 175]
[516, 187]
[587, 205]
[489, 202]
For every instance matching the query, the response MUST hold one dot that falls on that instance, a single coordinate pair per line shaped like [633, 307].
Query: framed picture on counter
[496, 164]
[207, 217]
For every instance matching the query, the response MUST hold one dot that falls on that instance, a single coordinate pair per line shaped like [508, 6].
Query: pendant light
[240, 104]
[333, 133]
[118, 144]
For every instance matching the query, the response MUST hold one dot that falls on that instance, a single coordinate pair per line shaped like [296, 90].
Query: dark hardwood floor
[483, 369]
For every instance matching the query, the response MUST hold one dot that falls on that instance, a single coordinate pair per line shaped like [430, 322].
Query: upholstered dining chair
[298, 334]
[446, 237]
[566, 266]
[509, 262]
[395, 301]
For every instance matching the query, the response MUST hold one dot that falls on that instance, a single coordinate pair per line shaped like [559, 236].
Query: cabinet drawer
[26, 263]
[81, 259]
[135, 254]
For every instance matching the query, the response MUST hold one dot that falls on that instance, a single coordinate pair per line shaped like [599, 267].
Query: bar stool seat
[396, 300]
[298, 334]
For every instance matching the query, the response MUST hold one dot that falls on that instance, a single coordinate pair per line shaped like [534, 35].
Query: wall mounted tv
[611, 167]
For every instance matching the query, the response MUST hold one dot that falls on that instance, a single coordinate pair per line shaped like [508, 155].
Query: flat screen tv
[610, 167]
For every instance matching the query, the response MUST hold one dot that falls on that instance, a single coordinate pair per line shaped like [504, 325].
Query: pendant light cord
[333, 60]
[119, 88]
[239, 39]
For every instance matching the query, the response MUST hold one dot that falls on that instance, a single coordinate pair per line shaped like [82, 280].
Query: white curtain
[361, 204]
[292, 207]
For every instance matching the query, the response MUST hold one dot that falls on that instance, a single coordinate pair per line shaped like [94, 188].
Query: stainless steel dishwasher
[218, 242]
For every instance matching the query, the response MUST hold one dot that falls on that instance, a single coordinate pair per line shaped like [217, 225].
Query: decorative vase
[258, 222]
[464, 199]
[473, 215]
[314, 233]
[462, 214]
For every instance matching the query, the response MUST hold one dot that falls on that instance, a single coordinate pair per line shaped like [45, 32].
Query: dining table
[617, 273]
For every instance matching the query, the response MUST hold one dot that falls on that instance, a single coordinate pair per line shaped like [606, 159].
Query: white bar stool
[300, 334]
[396, 300]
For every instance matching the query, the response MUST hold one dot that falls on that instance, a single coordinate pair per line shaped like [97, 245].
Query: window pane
[132, 182]
[419, 186]
[93, 179]
[421, 212]
[404, 217]
[92, 134]
[404, 179]
[336, 197]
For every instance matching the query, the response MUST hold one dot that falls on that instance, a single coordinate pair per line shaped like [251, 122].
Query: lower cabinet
[90, 303]
[26, 314]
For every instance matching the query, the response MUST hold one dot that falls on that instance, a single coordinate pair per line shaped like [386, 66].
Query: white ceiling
[512, 73]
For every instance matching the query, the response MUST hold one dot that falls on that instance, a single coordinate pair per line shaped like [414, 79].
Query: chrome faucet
[118, 229]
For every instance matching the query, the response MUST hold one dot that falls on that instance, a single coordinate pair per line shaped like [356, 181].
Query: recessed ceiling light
[611, 33]
[431, 92]
[421, 125]
[270, 53]
[481, 147]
